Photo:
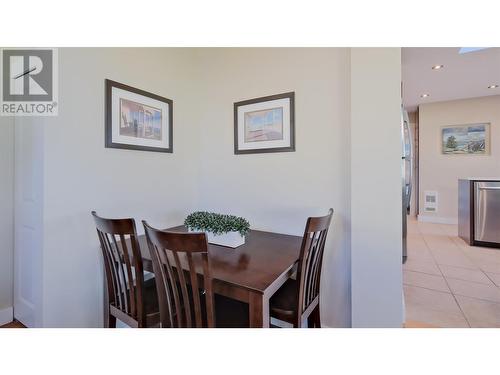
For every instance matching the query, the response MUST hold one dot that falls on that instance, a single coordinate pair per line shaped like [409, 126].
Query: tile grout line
[426, 273]
[477, 299]
[453, 294]
[454, 278]
[469, 281]
[493, 281]
[426, 288]
[446, 281]
[463, 250]
[449, 277]
[479, 268]
[489, 278]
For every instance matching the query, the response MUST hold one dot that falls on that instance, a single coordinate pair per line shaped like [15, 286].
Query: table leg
[258, 305]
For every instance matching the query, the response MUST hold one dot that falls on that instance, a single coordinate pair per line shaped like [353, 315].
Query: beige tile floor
[448, 283]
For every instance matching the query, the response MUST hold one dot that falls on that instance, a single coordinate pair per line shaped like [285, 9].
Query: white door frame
[28, 220]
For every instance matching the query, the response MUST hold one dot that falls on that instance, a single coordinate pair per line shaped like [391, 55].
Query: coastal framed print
[137, 119]
[265, 124]
[470, 139]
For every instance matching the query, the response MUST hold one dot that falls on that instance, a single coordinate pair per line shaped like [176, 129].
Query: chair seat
[229, 313]
[283, 304]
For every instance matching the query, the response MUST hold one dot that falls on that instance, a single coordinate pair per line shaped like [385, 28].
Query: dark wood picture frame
[109, 84]
[291, 148]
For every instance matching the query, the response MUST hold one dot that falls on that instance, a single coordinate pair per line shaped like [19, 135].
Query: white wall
[6, 217]
[376, 188]
[28, 220]
[278, 191]
[441, 172]
[81, 175]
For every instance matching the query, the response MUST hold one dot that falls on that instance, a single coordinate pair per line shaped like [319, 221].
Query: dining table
[250, 273]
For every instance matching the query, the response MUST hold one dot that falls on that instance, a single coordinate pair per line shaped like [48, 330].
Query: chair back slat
[184, 280]
[109, 269]
[186, 316]
[194, 286]
[311, 260]
[124, 292]
[208, 290]
[123, 266]
[130, 276]
[166, 295]
[115, 265]
[311, 257]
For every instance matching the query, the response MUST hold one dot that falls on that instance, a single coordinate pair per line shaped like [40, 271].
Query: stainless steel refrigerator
[407, 170]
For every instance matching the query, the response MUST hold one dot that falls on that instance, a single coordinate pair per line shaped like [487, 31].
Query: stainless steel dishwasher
[487, 211]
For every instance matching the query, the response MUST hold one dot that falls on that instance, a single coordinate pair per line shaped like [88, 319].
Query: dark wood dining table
[250, 273]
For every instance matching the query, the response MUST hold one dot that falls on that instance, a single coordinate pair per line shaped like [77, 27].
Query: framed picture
[137, 120]
[265, 124]
[471, 139]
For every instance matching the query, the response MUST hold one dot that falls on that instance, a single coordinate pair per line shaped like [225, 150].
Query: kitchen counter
[480, 179]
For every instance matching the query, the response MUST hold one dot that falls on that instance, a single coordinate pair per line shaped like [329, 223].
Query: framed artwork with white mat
[137, 119]
[265, 124]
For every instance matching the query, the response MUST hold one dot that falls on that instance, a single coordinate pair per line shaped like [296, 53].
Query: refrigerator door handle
[407, 133]
[489, 188]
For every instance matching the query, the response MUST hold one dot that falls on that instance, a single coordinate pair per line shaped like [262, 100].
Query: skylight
[470, 49]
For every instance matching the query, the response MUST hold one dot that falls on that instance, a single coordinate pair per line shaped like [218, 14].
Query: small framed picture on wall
[265, 124]
[137, 119]
[468, 139]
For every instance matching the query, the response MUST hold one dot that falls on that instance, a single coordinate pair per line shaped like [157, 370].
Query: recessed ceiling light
[437, 67]
[492, 86]
[424, 95]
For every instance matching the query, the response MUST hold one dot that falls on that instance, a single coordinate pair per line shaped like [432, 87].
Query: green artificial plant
[216, 223]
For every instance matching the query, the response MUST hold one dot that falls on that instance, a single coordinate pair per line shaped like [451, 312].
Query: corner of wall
[6, 315]
[7, 217]
[376, 193]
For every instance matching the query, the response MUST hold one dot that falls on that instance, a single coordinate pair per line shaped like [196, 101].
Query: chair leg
[314, 320]
[110, 322]
[317, 318]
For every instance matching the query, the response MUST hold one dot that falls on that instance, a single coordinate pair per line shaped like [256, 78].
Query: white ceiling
[463, 76]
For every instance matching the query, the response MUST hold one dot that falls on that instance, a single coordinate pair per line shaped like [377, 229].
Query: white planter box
[229, 239]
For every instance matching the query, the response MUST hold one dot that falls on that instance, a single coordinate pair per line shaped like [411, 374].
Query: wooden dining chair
[297, 301]
[130, 299]
[183, 278]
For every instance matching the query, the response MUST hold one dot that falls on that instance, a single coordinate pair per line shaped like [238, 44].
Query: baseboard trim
[6, 316]
[437, 220]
